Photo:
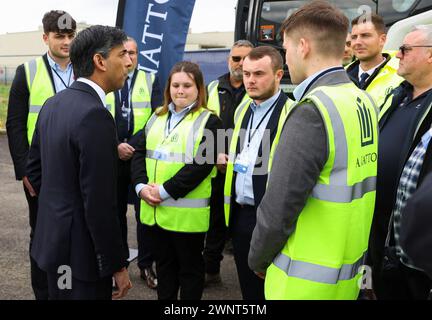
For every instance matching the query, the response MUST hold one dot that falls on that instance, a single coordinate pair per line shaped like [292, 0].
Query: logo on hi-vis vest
[174, 138]
[366, 125]
[141, 91]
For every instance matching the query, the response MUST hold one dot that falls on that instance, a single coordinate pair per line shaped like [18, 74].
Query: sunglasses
[405, 48]
[237, 58]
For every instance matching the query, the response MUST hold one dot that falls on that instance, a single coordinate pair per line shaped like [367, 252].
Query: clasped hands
[150, 194]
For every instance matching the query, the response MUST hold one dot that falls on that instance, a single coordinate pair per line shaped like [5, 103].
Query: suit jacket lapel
[81, 86]
[274, 118]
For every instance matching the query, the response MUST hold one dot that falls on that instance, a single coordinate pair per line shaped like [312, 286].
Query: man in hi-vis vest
[224, 96]
[373, 70]
[314, 220]
[258, 122]
[131, 107]
[35, 81]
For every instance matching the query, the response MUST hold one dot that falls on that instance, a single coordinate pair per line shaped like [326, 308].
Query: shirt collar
[56, 66]
[370, 71]
[96, 88]
[265, 104]
[300, 90]
[171, 108]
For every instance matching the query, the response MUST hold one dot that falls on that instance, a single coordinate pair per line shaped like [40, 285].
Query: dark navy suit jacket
[72, 166]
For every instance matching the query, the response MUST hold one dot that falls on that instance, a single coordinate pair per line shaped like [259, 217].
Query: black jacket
[353, 70]
[73, 168]
[415, 232]
[188, 177]
[16, 123]
[229, 99]
[383, 212]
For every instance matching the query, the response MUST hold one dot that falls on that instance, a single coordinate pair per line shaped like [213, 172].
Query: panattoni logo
[365, 121]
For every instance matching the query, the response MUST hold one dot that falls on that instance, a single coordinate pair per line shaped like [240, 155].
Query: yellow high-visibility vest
[40, 88]
[140, 100]
[191, 213]
[322, 257]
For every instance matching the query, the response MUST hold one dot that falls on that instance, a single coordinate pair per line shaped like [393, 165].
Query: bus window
[273, 13]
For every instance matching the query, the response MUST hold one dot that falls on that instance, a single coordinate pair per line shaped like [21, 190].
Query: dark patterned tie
[363, 77]
[123, 122]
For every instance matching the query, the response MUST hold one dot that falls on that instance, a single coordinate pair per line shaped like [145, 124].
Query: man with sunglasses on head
[34, 82]
[405, 157]
[374, 71]
[224, 96]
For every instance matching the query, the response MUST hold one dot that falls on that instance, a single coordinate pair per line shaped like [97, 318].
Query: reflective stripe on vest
[241, 109]
[186, 203]
[150, 123]
[316, 272]
[344, 194]
[213, 102]
[337, 190]
[35, 109]
[227, 199]
[32, 72]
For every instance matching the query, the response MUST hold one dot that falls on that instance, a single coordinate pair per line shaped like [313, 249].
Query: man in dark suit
[72, 167]
[34, 82]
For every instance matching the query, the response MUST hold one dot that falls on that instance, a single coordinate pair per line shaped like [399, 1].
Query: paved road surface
[14, 238]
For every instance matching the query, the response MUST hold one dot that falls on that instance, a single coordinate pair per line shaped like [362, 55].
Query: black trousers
[126, 194]
[80, 290]
[179, 264]
[39, 279]
[144, 240]
[123, 182]
[217, 233]
[243, 222]
[403, 283]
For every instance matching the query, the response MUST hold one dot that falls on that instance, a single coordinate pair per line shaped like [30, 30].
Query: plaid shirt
[407, 186]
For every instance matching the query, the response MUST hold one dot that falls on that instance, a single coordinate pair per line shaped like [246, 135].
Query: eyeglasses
[237, 58]
[404, 48]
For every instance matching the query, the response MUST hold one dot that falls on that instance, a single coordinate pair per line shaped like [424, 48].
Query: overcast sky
[26, 15]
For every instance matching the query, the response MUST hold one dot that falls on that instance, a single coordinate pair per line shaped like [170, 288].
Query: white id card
[242, 162]
[160, 154]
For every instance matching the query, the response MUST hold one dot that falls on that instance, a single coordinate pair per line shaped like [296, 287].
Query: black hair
[58, 21]
[90, 41]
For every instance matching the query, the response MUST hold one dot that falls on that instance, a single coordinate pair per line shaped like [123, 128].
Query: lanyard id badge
[242, 162]
[160, 153]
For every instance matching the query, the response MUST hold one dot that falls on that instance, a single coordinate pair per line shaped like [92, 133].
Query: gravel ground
[14, 238]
